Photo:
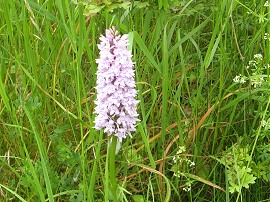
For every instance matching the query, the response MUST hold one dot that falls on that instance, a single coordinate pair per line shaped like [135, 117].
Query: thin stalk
[112, 173]
[94, 170]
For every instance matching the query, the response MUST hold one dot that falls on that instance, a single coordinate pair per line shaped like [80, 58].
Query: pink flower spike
[116, 94]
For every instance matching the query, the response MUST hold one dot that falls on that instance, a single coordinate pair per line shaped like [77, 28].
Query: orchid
[116, 94]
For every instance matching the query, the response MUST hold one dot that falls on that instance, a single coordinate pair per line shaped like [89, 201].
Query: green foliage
[94, 7]
[187, 54]
[239, 167]
[64, 153]
[258, 78]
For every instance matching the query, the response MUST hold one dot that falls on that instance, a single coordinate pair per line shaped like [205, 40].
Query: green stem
[112, 173]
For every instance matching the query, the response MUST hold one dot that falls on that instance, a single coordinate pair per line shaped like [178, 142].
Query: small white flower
[258, 56]
[181, 149]
[252, 62]
[263, 123]
[236, 79]
[257, 81]
[267, 124]
[242, 80]
[177, 174]
[175, 159]
[266, 36]
[239, 79]
[192, 163]
[187, 188]
[266, 4]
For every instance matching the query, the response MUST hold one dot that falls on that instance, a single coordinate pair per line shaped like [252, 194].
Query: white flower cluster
[257, 69]
[177, 174]
[239, 79]
[266, 124]
[181, 149]
[187, 188]
[177, 159]
[266, 36]
[258, 56]
[257, 81]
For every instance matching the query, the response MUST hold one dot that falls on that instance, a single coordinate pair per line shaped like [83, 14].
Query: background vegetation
[202, 136]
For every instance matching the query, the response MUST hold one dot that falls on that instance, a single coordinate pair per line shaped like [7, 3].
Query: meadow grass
[200, 137]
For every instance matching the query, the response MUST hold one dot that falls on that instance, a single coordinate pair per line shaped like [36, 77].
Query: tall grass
[186, 58]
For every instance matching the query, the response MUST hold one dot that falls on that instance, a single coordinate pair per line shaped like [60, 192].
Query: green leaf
[146, 51]
[130, 40]
[132, 155]
[111, 7]
[138, 4]
[233, 187]
[246, 177]
[138, 198]
[92, 9]
[4, 96]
